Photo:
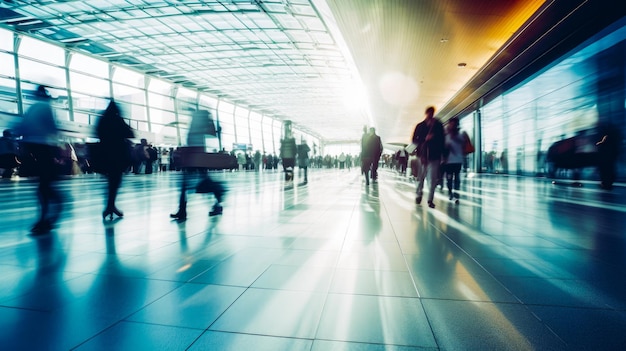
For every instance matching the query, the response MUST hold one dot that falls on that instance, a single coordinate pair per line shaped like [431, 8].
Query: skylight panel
[262, 20]
[313, 23]
[274, 7]
[302, 9]
[192, 26]
[299, 35]
[221, 21]
[60, 8]
[322, 37]
[287, 21]
[162, 11]
[276, 36]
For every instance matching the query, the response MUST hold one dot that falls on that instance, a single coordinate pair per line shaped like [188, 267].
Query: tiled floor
[519, 264]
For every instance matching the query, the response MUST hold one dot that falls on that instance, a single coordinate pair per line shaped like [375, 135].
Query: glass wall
[467, 125]
[81, 87]
[226, 118]
[242, 127]
[43, 64]
[130, 92]
[268, 136]
[162, 109]
[90, 89]
[277, 127]
[572, 98]
[256, 132]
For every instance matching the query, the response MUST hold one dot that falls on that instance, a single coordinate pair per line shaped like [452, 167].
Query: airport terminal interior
[530, 254]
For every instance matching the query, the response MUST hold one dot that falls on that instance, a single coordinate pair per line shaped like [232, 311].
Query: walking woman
[40, 146]
[455, 140]
[114, 153]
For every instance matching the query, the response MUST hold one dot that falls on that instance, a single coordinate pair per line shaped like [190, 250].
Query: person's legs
[366, 166]
[456, 170]
[288, 166]
[422, 168]
[447, 169]
[433, 176]
[114, 182]
[374, 170]
[182, 201]
[218, 191]
[46, 169]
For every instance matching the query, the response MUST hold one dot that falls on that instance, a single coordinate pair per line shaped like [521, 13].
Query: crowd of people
[436, 155]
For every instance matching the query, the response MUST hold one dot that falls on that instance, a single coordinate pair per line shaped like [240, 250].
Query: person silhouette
[113, 133]
[200, 127]
[40, 142]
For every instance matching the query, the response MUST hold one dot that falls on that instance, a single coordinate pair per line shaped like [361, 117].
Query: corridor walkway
[519, 264]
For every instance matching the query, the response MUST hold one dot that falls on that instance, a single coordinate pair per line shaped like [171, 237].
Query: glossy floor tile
[518, 264]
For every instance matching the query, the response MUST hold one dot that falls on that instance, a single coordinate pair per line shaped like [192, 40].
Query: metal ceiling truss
[279, 54]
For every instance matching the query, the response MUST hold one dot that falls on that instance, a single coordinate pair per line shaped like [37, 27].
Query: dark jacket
[288, 149]
[432, 149]
[303, 155]
[113, 133]
[373, 147]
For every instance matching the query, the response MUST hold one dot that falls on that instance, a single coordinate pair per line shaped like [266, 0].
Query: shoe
[41, 227]
[431, 204]
[217, 210]
[181, 215]
[418, 199]
[118, 212]
[110, 212]
[450, 195]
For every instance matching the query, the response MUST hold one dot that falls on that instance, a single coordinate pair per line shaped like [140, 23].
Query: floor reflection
[330, 264]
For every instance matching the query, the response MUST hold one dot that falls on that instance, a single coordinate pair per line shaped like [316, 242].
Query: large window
[6, 40]
[89, 65]
[8, 94]
[242, 127]
[186, 103]
[268, 138]
[225, 116]
[42, 51]
[256, 131]
[278, 134]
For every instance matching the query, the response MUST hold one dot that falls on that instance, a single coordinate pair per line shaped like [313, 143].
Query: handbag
[468, 147]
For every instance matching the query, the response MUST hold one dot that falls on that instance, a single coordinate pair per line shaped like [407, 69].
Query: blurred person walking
[364, 161]
[195, 167]
[40, 146]
[430, 140]
[9, 151]
[303, 160]
[288, 152]
[372, 150]
[454, 155]
[140, 156]
[115, 153]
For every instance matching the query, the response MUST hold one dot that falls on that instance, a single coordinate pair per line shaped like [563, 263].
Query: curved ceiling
[330, 66]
